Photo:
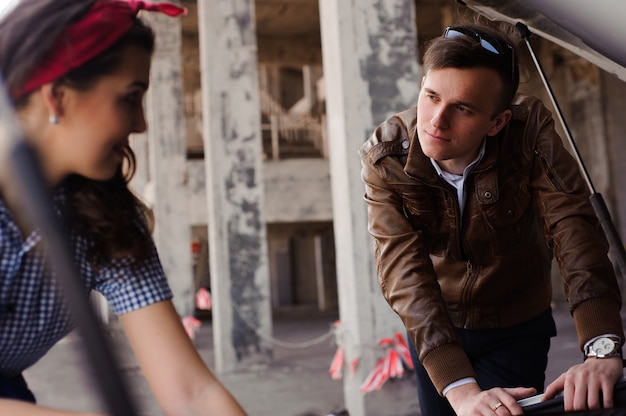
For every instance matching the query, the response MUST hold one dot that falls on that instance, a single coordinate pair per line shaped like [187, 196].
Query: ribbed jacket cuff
[447, 364]
[596, 317]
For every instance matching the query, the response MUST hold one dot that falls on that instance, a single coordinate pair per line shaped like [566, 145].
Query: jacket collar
[484, 177]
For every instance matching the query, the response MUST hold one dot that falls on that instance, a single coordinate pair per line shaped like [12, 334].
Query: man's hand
[468, 399]
[588, 385]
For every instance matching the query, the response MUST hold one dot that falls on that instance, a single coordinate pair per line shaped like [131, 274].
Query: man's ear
[499, 122]
[52, 96]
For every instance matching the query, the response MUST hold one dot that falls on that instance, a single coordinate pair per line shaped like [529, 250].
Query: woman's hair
[467, 51]
[28, 33]
[108, 211]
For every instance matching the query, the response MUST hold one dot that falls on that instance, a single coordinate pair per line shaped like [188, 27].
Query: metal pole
[596, 199]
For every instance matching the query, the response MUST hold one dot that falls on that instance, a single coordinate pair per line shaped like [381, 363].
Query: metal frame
[597, 201]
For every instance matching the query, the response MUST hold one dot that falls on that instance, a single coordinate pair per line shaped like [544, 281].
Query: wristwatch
[604, 347]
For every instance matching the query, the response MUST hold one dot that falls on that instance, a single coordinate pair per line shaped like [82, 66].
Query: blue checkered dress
[32, 315]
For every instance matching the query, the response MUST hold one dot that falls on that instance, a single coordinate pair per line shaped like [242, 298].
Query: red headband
[104, 24]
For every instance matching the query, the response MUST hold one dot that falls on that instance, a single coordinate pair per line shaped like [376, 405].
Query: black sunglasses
[488, 43]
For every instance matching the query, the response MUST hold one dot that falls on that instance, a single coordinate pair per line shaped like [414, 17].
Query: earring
[54, 119]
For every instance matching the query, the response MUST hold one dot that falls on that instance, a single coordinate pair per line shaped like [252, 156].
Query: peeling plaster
[391, 65]
[247, 296]
[245, 251]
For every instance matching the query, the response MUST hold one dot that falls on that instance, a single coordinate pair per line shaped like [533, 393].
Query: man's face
[456, 109]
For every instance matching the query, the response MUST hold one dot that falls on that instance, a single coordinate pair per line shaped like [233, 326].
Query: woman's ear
[52, 96]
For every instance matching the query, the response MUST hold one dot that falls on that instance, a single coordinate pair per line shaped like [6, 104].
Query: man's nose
[440, 118]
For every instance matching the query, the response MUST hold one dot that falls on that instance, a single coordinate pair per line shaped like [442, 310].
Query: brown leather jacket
[491, 268]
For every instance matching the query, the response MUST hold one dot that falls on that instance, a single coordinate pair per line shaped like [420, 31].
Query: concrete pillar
[369, 50]
[233, 157]
[167, 159]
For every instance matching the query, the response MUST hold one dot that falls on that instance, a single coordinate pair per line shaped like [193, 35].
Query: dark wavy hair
[108, 211]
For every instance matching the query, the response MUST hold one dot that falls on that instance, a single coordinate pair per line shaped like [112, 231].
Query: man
[470, 195]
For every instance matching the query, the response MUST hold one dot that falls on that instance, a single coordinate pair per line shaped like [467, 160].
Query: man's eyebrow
[463, 103]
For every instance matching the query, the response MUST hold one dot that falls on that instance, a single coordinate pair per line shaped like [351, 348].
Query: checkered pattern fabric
[33, 316]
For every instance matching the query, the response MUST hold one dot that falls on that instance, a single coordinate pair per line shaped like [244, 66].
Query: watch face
[603, 346]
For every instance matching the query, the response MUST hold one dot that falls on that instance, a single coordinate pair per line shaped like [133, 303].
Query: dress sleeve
[129, 285]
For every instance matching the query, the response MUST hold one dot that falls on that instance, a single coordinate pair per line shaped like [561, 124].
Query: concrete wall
[296, 190]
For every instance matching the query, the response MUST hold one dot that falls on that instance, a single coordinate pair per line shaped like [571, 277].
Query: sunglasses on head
[488, 43]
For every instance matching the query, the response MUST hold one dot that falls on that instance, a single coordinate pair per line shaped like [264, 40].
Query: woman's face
[95, 125]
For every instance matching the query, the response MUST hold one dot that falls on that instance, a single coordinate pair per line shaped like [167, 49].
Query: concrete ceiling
[273, 17]
[296, 17]
[301, 17]
[289, 30]
[287, 17]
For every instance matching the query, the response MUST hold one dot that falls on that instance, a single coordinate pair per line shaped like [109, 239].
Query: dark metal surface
[555, 406]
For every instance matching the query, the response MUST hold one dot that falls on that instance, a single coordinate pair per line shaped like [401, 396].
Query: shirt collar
[467, 169]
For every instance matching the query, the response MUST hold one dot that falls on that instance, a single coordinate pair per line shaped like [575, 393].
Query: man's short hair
[476, 46]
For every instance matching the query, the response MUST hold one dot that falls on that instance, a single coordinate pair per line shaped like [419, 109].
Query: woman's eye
[133, 98]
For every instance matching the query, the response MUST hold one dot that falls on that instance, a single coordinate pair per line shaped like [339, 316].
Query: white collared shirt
[458, 181]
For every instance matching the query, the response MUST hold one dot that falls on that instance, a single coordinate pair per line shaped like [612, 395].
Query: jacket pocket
[510, 220]
[427, 214]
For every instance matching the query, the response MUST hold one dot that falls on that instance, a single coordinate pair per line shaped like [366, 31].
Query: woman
[77, 72]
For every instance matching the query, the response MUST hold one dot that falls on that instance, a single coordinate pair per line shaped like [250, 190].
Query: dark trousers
[15, 388]
[510, 357]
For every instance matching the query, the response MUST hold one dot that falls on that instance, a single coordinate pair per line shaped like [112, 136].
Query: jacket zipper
[466, 290]
[548, 170]
[461, 251]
